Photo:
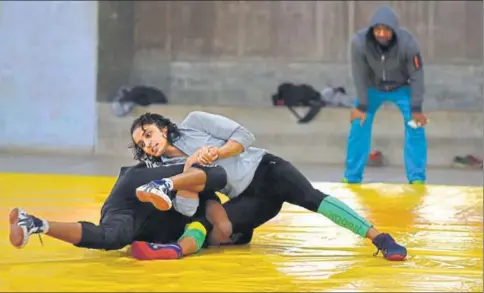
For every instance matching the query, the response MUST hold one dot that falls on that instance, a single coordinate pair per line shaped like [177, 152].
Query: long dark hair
[173, 133]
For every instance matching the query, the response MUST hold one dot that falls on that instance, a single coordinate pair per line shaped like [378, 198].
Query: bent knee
[186, 206]
[216, 176]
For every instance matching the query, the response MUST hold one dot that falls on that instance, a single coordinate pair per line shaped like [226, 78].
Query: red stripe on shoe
[142, 251]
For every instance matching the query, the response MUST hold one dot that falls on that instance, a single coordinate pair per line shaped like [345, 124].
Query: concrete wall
[115, 51]
[227, 56]
[237, 52]
[321, 141]
[224, 53]
[450, 32]
[48, 64]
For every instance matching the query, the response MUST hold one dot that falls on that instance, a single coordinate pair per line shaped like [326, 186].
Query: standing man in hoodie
[386, 66]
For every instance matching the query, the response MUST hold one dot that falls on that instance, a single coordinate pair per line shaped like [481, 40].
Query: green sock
[341, 214]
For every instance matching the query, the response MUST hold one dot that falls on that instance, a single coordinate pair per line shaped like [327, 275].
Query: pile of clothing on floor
[292, 95]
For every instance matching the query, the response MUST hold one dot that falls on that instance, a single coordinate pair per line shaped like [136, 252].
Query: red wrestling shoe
[151, 251]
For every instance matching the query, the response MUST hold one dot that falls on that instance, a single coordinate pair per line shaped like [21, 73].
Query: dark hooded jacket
[399, 65]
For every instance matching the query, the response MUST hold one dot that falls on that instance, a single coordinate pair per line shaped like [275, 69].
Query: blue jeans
[359, 139]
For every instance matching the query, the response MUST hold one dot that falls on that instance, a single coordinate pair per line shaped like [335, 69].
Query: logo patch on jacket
[417, 61]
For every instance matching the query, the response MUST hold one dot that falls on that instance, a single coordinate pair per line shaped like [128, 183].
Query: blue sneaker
[157, 192]
[391, 250]
[22, 225]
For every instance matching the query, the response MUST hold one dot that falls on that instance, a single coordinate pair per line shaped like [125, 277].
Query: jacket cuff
[244, 137]
[416, 109]
[362, 108]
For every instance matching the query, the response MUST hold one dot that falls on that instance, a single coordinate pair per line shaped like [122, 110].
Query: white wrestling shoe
[157, 192]
[22, 225]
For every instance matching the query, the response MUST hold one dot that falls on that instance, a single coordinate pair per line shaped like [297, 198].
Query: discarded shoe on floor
[375, 159]
[468, 162]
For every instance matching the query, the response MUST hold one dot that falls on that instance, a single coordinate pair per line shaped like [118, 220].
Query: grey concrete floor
[82, 164]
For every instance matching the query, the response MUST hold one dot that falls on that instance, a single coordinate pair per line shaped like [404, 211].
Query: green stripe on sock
[344, 216]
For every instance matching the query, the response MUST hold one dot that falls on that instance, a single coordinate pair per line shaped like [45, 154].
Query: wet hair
[173, 133]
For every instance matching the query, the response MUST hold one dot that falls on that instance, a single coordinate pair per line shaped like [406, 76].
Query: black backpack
[291, 96]
[143, 95]
[127, 98]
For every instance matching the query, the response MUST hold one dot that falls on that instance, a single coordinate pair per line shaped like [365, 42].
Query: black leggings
[275, 181]
[118, 229]
[278, 178]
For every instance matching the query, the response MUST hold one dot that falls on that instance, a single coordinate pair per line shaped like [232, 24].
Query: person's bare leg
[372, 233]
[192, 179]
[188, 245]
[67, 232]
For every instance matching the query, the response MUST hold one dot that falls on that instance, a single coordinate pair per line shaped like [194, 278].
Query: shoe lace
[380, 245]
[31, 226]
[41, 241]
[383, 250]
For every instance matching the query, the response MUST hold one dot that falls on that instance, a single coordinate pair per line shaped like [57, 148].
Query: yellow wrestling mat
[297, 251]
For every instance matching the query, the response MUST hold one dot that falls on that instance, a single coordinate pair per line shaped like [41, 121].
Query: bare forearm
[230, 149]
[222, 227]
[215, 212]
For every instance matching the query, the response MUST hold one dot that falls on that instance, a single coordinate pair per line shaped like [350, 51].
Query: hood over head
[385, 15]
